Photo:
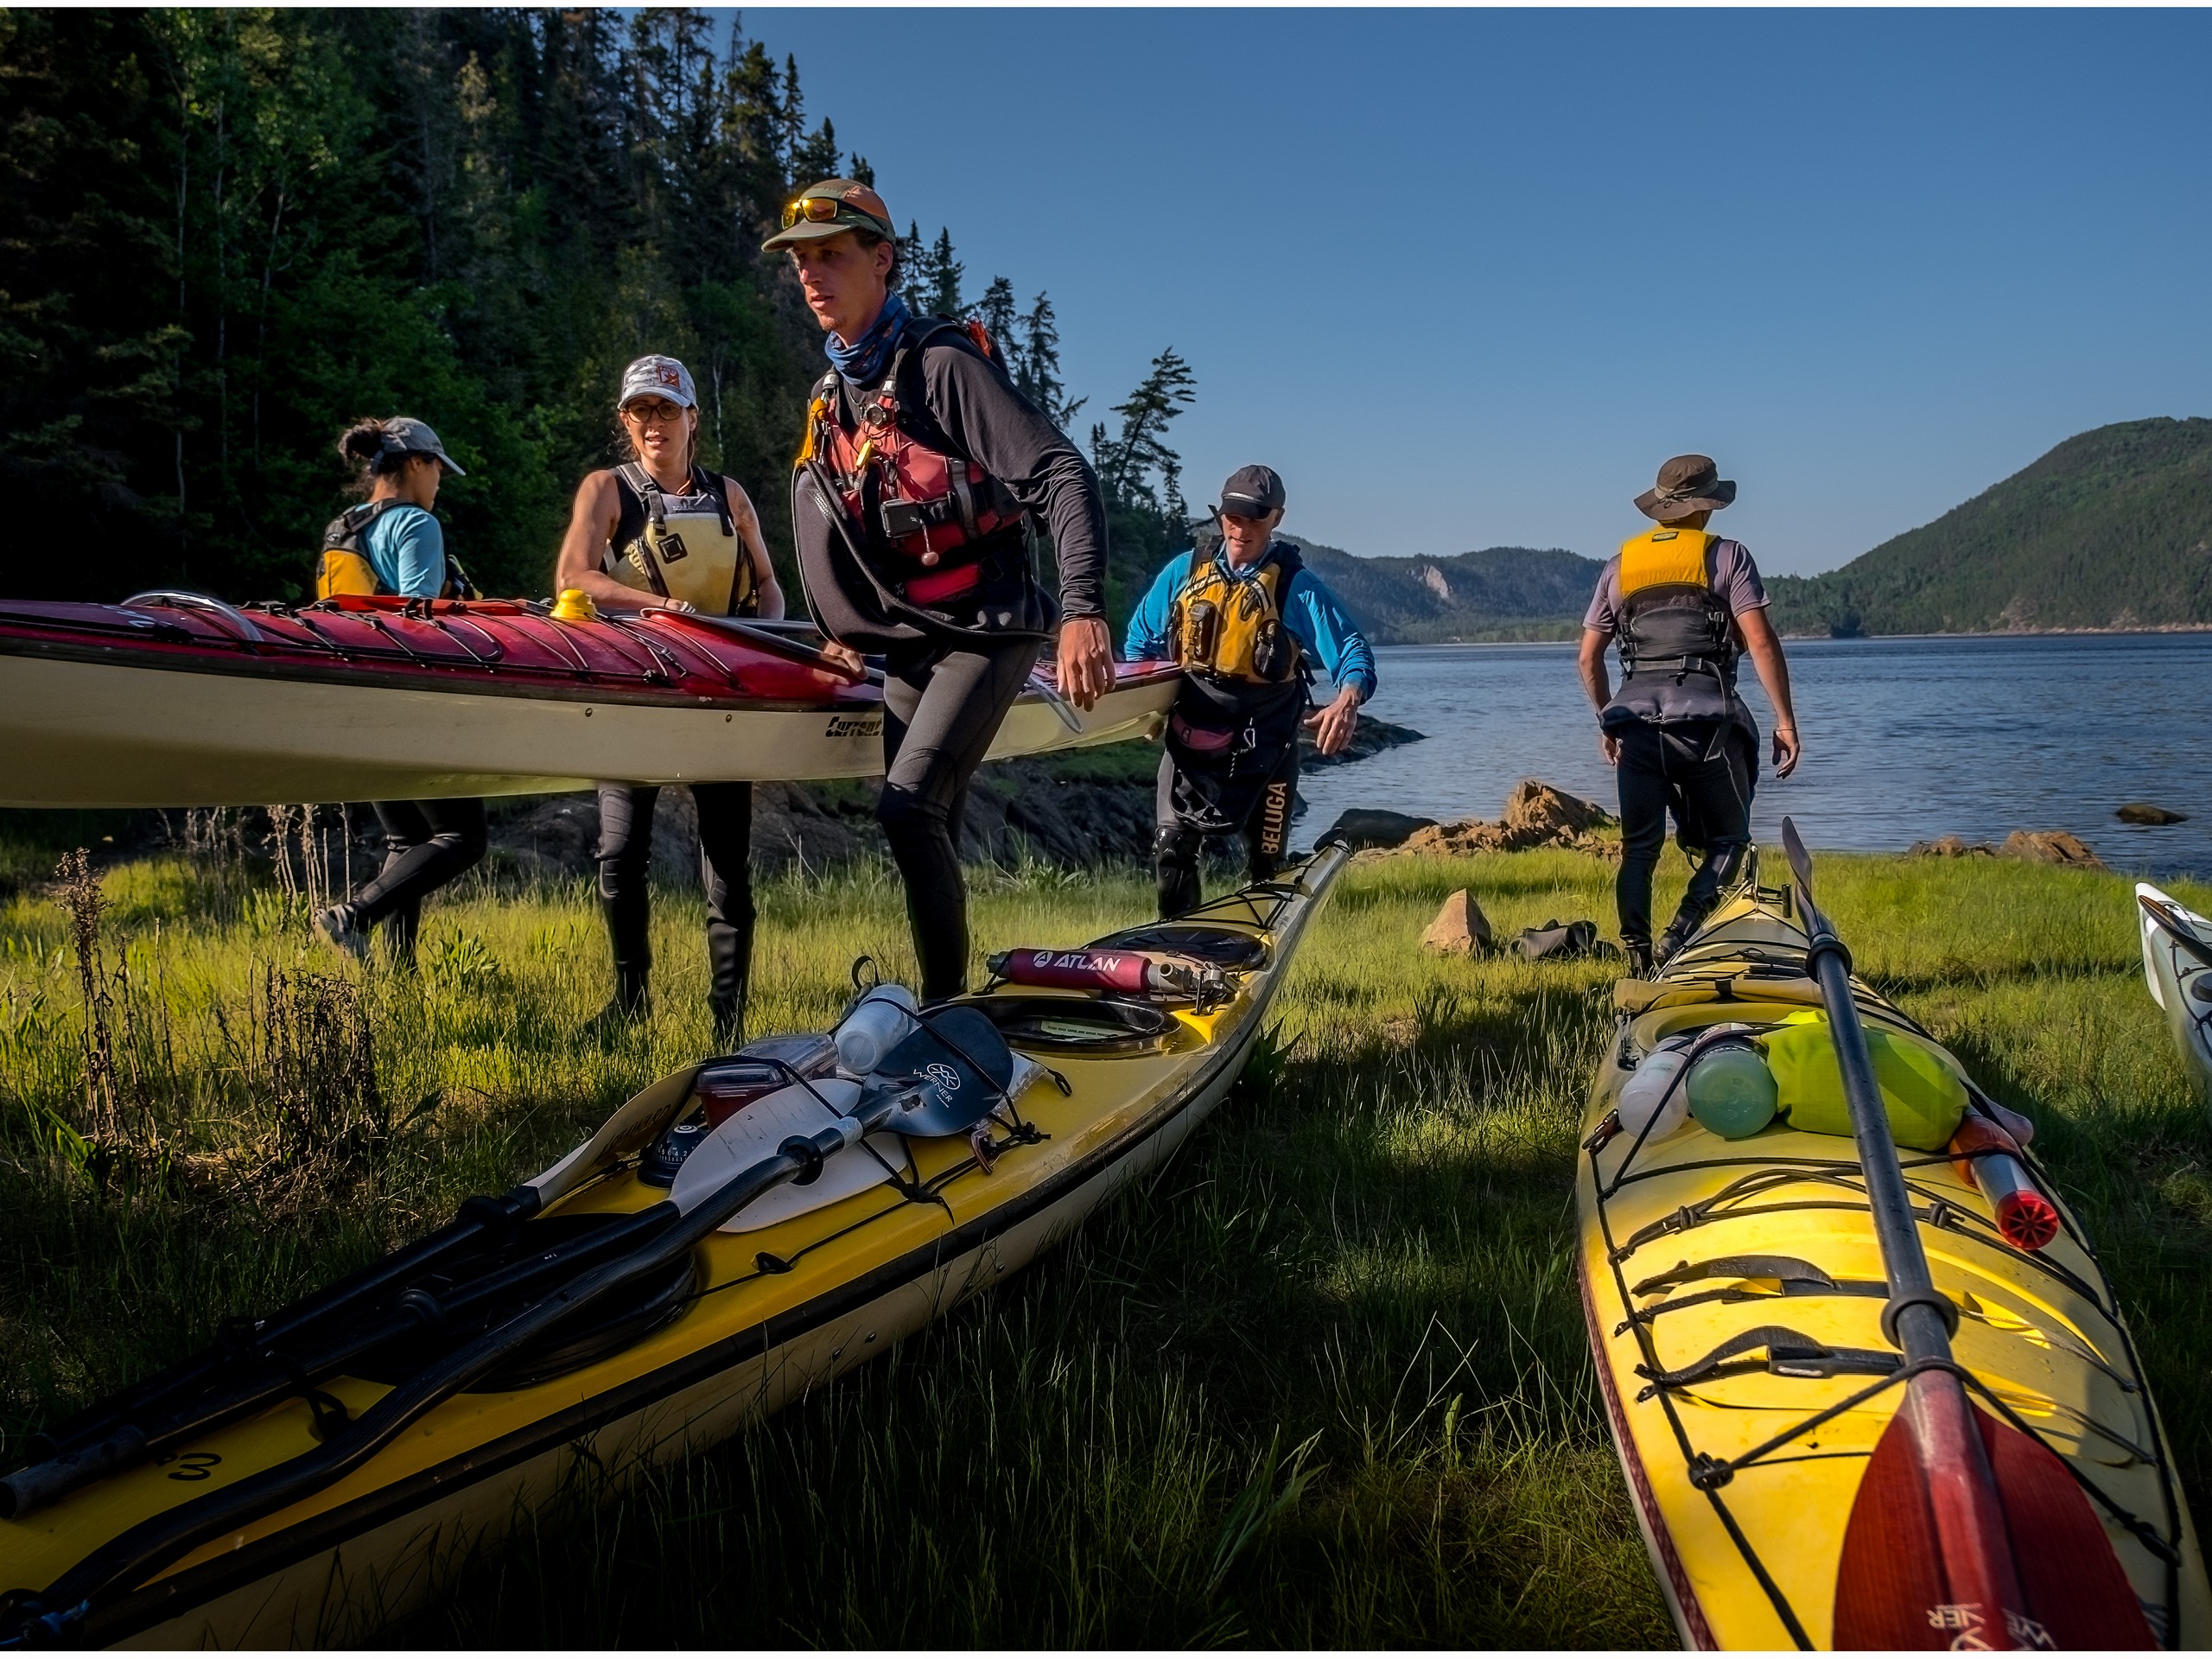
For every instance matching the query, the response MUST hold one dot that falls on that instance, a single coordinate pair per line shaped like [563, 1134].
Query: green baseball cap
[831, 208]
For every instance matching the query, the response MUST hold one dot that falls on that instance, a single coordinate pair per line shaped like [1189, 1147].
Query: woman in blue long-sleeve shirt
[1243, 624]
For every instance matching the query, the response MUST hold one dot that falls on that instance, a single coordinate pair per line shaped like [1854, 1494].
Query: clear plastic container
[1653, 1088]
[875, 1027]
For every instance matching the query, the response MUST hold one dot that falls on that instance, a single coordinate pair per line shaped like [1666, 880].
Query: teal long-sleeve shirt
[1316, 618]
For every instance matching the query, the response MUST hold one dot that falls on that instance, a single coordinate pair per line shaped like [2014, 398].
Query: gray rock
[2145, 812]
[1362, 827]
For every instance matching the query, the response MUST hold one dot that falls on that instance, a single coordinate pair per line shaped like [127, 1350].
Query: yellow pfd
[680, 546]
[1228, 627]
[1677, 640]
[343, 566]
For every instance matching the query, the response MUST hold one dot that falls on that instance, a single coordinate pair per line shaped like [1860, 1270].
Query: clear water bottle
[875, 1027]
[1653, 1088]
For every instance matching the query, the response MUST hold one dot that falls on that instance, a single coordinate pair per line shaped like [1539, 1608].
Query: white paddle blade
[629, 1130]
[752, 1136]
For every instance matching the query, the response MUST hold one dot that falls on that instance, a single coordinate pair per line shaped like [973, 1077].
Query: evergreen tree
[997, 312]
[224, 234]
[1037, 365]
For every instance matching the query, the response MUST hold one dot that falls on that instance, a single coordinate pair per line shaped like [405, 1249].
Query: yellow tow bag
[1921, 1093]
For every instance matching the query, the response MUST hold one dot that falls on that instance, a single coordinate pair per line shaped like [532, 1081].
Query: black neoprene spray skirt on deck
[941, 707]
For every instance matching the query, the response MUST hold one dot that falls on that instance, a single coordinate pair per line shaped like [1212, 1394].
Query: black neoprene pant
[1183, 820]
[426, 844]
[1701, 771]
[941, 707]
[625, 845]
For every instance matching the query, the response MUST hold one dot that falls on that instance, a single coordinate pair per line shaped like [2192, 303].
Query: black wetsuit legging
[941, 707]
[426, 844]
[1702, 772]
[625, 845]
[1185, 815]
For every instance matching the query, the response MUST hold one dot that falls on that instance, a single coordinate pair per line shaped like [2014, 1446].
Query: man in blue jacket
[1243, 624]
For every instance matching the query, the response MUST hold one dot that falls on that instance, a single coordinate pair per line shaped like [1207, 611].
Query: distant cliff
[1500, 593]
[2113, 529]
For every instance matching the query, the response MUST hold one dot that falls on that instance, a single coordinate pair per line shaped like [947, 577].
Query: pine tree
[1036, 366]
[1127, 464]
[997, 312]
[937, 279]
[816, 159]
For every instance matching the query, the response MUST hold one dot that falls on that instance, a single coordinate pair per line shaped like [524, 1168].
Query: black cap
[1253, 492]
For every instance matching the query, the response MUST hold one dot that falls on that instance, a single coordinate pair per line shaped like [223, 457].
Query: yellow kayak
[1737, 1301]
[740, 1232]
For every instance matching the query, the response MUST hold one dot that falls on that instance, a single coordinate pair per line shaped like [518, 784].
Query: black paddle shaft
[1918, 1317]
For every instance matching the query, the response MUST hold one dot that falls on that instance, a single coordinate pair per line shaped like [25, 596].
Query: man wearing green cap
[913, 500]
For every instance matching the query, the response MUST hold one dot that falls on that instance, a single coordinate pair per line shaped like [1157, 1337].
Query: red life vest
[921, 510]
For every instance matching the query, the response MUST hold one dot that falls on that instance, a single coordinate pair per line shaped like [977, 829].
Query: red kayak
[174, 699]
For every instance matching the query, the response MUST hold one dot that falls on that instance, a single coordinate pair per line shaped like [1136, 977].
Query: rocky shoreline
[1080, 809]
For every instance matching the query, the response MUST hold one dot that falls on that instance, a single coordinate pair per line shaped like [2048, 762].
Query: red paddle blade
[1890, 1590]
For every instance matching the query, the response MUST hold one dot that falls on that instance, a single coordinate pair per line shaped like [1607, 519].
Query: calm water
[1905, 740]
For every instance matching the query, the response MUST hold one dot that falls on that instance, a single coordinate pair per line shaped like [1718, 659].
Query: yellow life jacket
[1665, 554]
[1227, 625]
[343, 566]
[1677, 640]
[683, 546]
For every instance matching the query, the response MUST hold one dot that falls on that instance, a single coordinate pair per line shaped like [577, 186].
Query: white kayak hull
[115, 735]
[2180, 981]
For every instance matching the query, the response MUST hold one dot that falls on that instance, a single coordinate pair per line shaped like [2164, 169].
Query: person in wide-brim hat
[1682, 605]
[1686, 484]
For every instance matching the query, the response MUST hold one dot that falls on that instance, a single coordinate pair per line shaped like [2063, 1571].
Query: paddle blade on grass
[1890, 1590]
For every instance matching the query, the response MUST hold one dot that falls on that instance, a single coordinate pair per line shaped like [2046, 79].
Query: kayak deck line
[1746, 1549]
[771, 1313]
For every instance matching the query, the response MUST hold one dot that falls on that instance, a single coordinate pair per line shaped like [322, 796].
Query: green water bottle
[1731, 1092]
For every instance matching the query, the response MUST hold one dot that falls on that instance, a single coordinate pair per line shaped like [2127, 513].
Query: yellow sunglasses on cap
[828, 210]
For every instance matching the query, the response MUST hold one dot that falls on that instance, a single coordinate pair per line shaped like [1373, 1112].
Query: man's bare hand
[844, 657]
[1786, 748]
[1610, 746]
[1085, 660]
[1332, 726]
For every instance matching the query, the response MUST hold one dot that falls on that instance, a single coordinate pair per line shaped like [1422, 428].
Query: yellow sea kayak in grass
[1735, 1291]
[740, 1232]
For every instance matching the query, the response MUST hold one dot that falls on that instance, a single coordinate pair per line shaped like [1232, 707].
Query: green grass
[1322, 1382]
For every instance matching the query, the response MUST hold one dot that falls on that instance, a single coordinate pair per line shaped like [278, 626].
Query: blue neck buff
[862, 363]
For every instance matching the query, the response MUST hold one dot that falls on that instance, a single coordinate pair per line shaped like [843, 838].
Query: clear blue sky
[1464, 278]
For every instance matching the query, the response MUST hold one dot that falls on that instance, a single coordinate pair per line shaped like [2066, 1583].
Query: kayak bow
[741, 1232]
[1851, 1412]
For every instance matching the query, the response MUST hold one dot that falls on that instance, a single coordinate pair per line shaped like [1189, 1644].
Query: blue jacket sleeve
[1147, 641]
[1322, 625]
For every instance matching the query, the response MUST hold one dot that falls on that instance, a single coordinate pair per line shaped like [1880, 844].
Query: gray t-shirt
[1733, 577]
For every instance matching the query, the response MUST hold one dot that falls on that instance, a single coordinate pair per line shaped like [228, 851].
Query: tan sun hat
[1688, 484]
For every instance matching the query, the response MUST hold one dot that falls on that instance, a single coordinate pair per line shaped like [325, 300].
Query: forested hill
[227, 232]
[1499, 592]
[2110, 529]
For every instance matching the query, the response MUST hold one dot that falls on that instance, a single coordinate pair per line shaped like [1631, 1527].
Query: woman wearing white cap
[391, 544]
[660, 531]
